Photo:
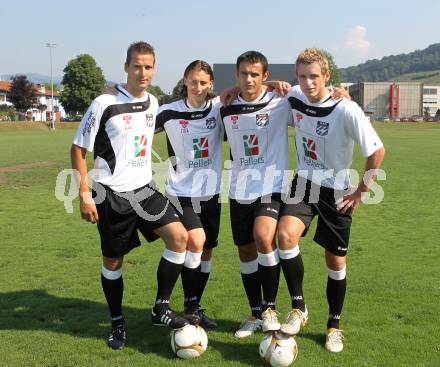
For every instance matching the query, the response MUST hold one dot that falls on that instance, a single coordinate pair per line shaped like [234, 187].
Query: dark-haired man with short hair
[119, 130]
[256, 127]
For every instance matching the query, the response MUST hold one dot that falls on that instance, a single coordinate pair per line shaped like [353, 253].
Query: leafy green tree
[176, 94]
[83, 81]
[334, 71]
[22, 93]
[48, 87]
[156, 91]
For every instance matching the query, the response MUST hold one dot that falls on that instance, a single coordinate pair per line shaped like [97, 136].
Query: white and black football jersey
[119, 131]
[325, 135]
[194, 138]
[257, 134]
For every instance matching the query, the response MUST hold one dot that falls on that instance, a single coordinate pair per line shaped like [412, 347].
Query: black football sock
[293, 270]
[113, 290]
[336, 289]
[170, 266]
[202, 278]
[252, 285]
[269, 269]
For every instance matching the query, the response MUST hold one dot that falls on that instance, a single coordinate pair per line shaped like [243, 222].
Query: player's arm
[340, 92]
[79, 163]
[229, 94]
[372, 165]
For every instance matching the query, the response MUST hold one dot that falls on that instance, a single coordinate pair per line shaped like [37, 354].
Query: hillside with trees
[391, 67]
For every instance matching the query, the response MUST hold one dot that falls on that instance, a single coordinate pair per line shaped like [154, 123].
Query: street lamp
[51, 46]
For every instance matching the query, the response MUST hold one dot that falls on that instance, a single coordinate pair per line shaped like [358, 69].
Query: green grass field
[53, 313]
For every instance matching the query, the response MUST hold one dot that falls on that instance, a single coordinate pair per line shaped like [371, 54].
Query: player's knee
[247, 252]
[207, 254]
[335, 263]
[196, 241]
[177, 240]
[264, 239]
[112, 263]
[288, 237]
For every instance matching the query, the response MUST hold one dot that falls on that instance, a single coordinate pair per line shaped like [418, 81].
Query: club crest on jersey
[322, 128]
[234, 120]
[262, 119]
[184, 126]
[211, 123]
[149, 119]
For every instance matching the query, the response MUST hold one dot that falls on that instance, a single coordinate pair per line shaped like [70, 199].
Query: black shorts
[243, 214]
[199, 213]
[119, 220]
[333, 229]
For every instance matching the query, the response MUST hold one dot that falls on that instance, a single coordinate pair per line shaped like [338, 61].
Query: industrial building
[396, 100]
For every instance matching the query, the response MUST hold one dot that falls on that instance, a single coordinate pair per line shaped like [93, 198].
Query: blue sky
[215, 31]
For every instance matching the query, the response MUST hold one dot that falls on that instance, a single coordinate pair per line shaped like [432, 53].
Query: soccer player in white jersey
[194, 139]
[256, 127]
[326, 131]
[119, 130]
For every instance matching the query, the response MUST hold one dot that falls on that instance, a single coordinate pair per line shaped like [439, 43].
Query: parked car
[416, 118]
[404, 119]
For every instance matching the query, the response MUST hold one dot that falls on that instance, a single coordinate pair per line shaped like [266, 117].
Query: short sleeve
[89, 126]
[360, 129]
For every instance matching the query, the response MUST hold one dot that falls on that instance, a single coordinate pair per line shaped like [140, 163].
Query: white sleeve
[360, 129]
[89, 126]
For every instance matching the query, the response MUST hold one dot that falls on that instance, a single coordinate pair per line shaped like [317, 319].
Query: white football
[189, 342]
[278, 349]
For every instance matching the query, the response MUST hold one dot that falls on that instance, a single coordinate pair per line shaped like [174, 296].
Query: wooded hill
[418, 66]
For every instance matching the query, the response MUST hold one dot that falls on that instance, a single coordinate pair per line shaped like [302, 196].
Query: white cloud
[356, 40]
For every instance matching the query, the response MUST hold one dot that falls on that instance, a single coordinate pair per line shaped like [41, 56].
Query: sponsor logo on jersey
[309, 146]
[251, 150]
[184, 126]
[250, 143]
[149, 119]
[140, 145]
[322, 128]
[234, 120]
[90, 122]
[262, 119]
[127, 120]
[211, 123]
[136, 107]
[312, 112]
[299, 117]
[197, 115]
[200, 147]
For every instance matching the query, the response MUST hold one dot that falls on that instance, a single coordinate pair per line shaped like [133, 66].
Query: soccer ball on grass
[278, 349]
[189, 342]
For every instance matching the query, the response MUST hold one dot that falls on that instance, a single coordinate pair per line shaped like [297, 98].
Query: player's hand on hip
[88, 209]
[349, 202]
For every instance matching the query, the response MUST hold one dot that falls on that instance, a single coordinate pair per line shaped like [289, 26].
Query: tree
[176, 94]
[48, 87]
[22, 93]
[156, 91]
[334, 71]
[83, 81]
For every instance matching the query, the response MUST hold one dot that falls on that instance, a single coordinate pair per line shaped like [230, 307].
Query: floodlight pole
[51, 46]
